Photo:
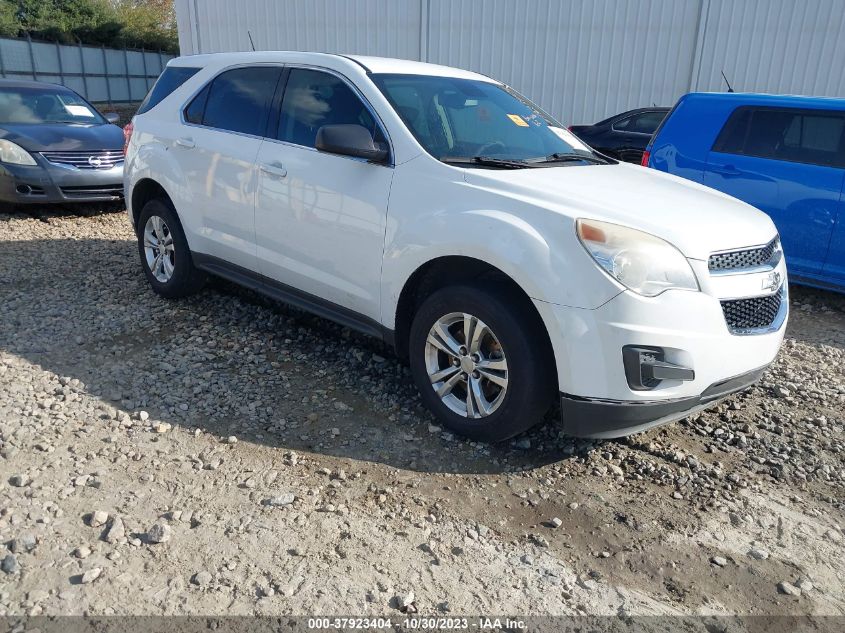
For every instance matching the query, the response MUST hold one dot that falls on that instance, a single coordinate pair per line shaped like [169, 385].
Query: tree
[9, 26]
[148, 23]
[135, 23]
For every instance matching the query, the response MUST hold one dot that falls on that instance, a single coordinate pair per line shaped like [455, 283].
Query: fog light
[646, 367]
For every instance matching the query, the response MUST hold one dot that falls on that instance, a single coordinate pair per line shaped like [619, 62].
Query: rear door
[834, 267]
[224, 126]
[788, 163]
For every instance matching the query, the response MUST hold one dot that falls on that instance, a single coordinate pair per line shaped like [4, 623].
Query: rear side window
[813, 137]
[643, 123]
[167, 82]
[239, 100]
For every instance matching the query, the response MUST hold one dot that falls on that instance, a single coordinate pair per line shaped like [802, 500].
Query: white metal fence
[581, 60]
[97, 73]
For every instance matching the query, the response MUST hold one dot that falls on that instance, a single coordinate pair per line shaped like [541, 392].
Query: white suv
[439, 210]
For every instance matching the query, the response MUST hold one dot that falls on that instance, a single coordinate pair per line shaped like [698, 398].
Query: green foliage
[115, 23]
[9, 26]
[148, 24]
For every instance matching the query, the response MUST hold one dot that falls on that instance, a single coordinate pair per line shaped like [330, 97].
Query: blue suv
[784, 155]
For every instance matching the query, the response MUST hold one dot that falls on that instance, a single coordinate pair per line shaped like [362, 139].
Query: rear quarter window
[172, 78]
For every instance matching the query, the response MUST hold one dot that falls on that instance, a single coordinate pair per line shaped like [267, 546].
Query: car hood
[695, 219]
[42, 137]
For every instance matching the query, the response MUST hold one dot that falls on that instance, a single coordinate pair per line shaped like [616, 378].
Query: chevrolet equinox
[435, 208]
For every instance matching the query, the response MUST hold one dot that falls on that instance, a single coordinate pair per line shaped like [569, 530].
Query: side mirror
[112, 117]
[349, 140]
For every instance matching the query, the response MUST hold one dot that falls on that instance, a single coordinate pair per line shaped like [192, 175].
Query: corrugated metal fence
[582, 60]
[97, 73]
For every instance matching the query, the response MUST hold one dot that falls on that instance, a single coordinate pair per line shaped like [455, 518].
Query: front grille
[89, 159]
[754, 313]
[94, 191]
[746, 258]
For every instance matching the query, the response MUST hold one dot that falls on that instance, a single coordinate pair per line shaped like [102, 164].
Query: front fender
[537, 248]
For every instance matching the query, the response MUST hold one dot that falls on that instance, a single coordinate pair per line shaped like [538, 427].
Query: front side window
[46, 105]
[814, 137]
[466, 118]
[239, 99]
[313, 99]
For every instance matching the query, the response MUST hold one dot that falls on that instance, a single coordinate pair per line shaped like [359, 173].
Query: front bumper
[605, 419]
[50, 183]
[706, 359]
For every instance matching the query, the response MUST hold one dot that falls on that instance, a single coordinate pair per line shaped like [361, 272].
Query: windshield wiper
[486, 161]
[560, 157]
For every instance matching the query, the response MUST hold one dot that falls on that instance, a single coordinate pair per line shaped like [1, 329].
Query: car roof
[627, 113]
[756, 98]
[375, 65]
[392, 66]
[21, 83]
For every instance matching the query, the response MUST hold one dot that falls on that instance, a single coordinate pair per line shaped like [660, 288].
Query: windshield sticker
[78, 110]
[569, 137]
[518, 120]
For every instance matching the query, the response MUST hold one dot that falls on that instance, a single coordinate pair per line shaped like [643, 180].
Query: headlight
[14, 154]
[639, 261]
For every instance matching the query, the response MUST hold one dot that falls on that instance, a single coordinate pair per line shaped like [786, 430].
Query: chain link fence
[105, 75]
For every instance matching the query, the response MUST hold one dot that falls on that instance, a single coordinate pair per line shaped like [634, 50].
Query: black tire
[186, 279]
[530, 362]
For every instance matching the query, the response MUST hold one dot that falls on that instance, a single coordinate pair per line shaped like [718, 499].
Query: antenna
[727, 82]
[251, 43]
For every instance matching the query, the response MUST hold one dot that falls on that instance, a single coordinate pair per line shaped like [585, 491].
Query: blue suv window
[814, 137]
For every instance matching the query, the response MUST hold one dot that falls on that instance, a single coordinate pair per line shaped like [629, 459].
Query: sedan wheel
[159, 248]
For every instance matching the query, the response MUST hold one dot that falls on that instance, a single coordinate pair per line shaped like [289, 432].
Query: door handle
[187, 143]
[274, 169]
[726, 170]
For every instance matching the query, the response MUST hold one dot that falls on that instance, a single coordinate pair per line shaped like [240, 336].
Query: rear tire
[165, 256]
[498, 384]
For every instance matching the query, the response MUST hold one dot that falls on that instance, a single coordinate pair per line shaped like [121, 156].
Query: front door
[320, 218]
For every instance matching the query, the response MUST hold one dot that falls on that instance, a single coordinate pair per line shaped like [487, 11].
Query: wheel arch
[448, 270]
[145, 190]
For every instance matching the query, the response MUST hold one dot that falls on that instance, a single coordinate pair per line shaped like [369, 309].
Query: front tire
[482, 361]
[165, 256]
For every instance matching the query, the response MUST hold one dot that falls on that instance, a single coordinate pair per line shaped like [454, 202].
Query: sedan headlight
[639, 261]
[14, 154]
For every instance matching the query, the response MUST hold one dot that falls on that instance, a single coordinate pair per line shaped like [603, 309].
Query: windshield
[45, 105]
[466, 118]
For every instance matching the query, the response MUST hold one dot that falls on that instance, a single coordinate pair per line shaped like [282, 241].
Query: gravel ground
[229, 455]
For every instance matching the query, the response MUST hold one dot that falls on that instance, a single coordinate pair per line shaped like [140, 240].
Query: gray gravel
[226, 454]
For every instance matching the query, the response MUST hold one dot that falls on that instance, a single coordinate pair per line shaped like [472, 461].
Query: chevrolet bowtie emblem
[772, 281]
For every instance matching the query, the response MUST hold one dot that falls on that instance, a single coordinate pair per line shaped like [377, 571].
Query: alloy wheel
[159, 249]
[466, 365]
